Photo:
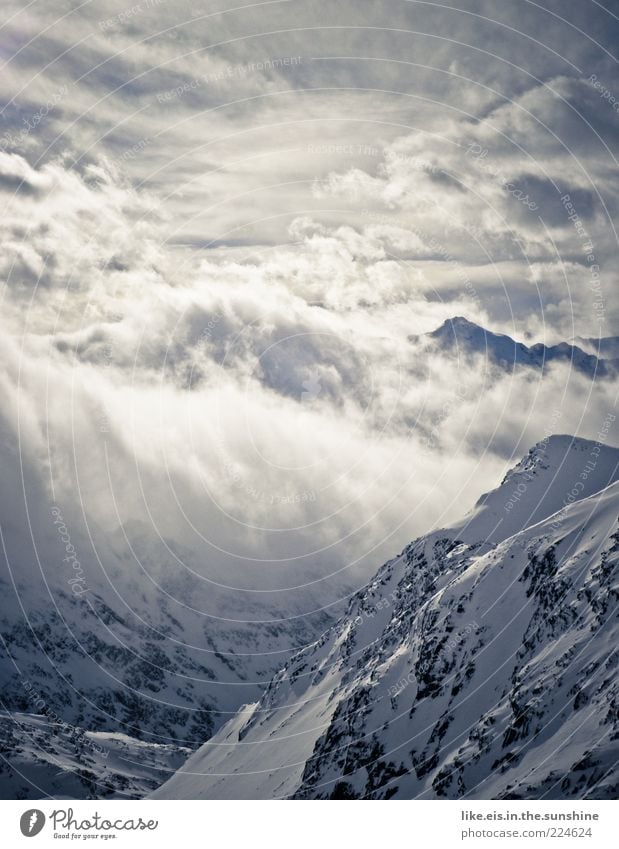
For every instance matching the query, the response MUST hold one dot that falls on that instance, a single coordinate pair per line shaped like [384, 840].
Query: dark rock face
[479, 662]
[459, 337]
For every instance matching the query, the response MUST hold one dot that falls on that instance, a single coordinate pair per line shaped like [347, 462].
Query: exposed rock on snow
[479, 663]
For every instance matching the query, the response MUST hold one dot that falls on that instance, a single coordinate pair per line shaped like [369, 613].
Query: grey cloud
[16, 185]
[269, 356]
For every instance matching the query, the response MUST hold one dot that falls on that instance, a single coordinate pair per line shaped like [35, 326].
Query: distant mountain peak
[460, 320]
[461, 337]
[547, 452]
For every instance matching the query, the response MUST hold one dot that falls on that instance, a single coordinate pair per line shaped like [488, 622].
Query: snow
[478, 663]
[64, 762]
[555, 472]
[464, 338]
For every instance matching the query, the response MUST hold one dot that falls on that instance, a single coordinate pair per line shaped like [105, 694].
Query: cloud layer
[219, 241]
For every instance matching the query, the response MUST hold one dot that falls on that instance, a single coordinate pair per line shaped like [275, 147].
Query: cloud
[210, 295]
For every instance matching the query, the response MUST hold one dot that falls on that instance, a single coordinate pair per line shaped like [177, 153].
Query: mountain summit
[459, 337]
[480, 662]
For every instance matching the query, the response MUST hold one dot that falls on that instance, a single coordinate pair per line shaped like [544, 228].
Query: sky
[225, 227]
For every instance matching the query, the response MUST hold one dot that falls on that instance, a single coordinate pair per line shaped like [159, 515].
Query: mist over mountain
[477, 664]
[463, 338]
[606, 347]
[285, 286]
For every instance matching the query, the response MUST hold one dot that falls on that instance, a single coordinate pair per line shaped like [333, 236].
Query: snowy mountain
[47, 757]
[460, 337]
[606, 346]
[479, 663]
[120, 634]
[135, 645]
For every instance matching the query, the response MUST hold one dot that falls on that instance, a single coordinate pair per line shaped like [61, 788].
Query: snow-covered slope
[134, 650]
[43, 757]
[122, 633]
[556, 471]
[459, 337]
[480, 663]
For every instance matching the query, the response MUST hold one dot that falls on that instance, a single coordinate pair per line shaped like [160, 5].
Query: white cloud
[266, 388]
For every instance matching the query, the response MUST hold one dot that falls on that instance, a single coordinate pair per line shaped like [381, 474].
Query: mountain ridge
[458, 336]
[454, 668]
